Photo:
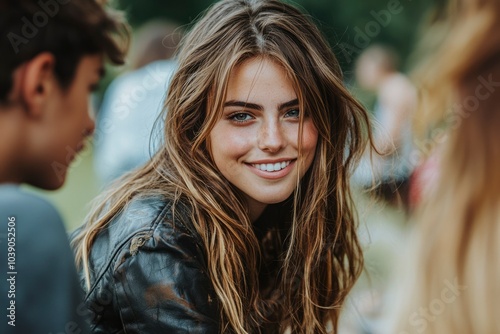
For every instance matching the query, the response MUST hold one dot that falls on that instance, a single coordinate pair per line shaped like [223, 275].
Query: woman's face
[255, 142]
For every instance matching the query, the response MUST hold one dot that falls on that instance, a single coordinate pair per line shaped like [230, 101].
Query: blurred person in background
[389, 168]
[243, 221]
[125, 136]
[52, 59]
[450, 284]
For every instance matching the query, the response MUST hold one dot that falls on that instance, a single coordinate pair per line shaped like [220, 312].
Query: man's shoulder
[16, 201]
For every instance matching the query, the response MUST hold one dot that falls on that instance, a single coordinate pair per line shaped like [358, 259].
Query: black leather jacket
[149, 275]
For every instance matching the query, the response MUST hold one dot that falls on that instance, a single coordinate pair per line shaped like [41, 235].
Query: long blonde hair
[455, 272]
[321, 258]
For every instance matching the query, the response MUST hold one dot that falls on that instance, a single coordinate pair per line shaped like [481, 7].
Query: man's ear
[38, 82]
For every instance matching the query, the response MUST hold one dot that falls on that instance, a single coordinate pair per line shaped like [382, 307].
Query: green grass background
[82, 185]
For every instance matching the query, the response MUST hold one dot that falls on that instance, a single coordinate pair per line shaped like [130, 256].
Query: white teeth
[272, 167]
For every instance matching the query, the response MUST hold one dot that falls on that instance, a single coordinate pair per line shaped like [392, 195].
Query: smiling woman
[261, 118]
[243, 221]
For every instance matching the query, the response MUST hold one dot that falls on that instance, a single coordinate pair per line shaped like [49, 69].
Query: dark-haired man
[51, 59]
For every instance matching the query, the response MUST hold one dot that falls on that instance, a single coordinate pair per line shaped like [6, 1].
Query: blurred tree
[183, 12]
[350, 25]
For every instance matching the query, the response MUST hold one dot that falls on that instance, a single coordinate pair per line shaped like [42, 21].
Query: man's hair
[68, 29]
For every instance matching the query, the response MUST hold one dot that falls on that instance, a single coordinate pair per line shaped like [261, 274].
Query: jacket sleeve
[161, 286]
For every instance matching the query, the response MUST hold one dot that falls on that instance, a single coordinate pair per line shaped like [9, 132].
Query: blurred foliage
[349, 25]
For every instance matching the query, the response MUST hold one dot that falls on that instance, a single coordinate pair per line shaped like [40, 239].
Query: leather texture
[149, 274]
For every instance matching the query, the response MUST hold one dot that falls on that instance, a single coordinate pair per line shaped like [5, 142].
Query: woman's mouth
[272, 167]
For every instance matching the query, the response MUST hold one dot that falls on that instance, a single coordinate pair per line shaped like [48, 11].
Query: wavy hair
[457, 238]
[321, 257]
[75, 28]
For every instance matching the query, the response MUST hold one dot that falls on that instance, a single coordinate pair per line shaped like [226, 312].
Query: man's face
[68, 121]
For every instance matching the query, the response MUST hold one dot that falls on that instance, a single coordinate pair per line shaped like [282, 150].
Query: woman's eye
[295, 113]
[240, 117]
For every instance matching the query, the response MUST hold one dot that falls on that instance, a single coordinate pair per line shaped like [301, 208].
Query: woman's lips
[270, 170]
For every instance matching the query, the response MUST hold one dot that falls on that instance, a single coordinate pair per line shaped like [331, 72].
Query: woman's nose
[271, 137]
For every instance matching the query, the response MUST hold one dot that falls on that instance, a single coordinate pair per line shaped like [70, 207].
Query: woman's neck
[255, 209]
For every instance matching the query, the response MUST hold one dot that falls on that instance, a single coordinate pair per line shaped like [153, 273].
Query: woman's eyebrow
[292, 103]
[234, 103]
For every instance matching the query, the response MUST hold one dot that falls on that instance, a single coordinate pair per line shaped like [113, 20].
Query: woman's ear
[37, 82]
